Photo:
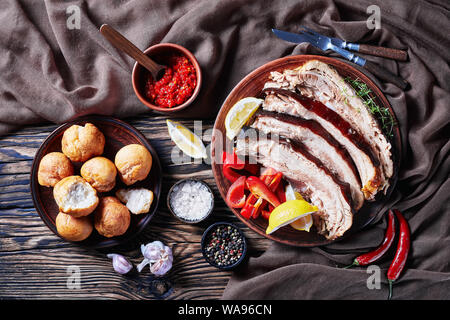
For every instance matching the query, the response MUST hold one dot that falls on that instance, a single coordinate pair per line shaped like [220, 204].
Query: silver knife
[325, 43]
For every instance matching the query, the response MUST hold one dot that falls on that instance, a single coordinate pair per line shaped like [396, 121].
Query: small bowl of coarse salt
[190, 200]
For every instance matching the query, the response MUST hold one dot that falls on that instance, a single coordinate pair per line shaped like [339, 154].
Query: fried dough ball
[53, 167]
[133, 162]
[82, 143]
[111, 218]
[73, 229]
[75, 196]
[100, 172]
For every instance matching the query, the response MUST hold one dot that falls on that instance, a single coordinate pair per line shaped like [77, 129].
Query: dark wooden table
[36, 264]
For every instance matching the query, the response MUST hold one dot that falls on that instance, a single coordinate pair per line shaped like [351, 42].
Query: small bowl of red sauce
[177, 88]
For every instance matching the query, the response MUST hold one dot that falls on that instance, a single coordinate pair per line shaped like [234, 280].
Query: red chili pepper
[372, 256]
[235, 195]
[260, 189]
[401, 254]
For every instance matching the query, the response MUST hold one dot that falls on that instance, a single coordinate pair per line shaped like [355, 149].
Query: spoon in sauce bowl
[122, 43]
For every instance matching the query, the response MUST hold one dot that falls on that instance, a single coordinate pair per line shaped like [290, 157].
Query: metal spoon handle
[122, 43]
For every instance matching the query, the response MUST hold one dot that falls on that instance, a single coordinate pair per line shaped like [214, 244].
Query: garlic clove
[141, 265]
[120, 264]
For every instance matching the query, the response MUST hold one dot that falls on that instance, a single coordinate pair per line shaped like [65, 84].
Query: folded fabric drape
[56, 66]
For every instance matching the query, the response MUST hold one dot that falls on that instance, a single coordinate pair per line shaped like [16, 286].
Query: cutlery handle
[121, 43]
[348, 55]
[396, 54]
[386, 75]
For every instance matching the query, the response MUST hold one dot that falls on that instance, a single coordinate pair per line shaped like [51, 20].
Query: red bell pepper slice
[235, 195]
[252, 207]
[266, 214]
[281, 194]
[232, 161]
[252, 168]
[261, 190]
[273, 182]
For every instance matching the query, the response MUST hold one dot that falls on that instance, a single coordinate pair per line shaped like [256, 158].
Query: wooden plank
[35, 261]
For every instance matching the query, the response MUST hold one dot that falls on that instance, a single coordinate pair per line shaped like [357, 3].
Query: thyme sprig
[383, 114]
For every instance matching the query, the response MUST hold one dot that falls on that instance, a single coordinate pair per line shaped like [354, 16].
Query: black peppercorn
[224, 245]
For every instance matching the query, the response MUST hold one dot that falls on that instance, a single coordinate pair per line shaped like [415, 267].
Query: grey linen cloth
[50, 72]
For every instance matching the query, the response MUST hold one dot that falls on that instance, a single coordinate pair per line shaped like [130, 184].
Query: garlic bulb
[120, 263]
[158, 256]
[163, 265]
[152, 251]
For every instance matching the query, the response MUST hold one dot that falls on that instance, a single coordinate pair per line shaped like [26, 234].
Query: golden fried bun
[133, 162]
[100, 172]
[75, 196]
[73, 229]
[53, 167]
[111, 218]
[82, 143]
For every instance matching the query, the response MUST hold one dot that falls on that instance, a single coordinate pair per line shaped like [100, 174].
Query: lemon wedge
[288, 212]
[303, 223]
[291, 194]
[239, 115]
[186, 140]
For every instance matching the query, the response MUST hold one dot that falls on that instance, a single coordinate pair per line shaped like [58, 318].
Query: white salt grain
[191, 200]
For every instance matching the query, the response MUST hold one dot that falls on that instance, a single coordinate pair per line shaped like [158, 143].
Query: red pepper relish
[224, 245]
[176, 86]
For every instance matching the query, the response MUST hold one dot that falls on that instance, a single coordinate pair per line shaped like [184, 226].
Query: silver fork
[389, 53]
[324, 43]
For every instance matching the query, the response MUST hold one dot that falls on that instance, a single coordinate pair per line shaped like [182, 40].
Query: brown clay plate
[117, 134]
[251, 86]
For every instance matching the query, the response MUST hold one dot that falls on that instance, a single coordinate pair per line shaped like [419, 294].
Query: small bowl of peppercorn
[178, 86]
[223, 245]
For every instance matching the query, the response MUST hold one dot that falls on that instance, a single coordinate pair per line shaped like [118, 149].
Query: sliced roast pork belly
[320, 186]
[286, 101]
[318, 142]
[321, 82]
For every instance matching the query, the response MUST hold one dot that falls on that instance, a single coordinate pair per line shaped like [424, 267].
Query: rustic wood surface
[34, 263]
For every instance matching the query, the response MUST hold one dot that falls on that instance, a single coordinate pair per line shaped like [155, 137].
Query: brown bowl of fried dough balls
[96, 181]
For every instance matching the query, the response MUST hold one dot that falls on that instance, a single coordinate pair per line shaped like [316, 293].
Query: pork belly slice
[286, 101]
[321, 82]
[318, 142]
[319, 185]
